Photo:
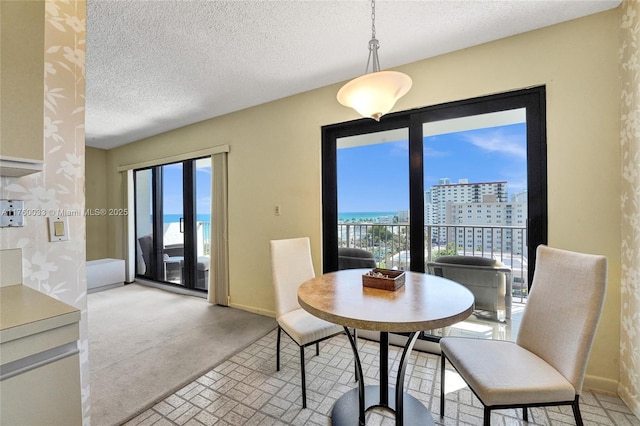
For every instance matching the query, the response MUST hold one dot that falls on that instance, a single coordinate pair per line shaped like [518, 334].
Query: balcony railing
[389, 244]
[204, 238]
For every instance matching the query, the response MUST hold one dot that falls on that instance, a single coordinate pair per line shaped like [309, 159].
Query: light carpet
[145, 343]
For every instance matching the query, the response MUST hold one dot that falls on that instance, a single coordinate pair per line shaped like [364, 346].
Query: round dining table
[424, 302]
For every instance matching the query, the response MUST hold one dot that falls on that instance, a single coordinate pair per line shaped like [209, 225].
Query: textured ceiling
[153, 66]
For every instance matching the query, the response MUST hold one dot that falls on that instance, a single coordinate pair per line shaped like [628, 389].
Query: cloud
[434, 153]
[496, 140]
[398, 148]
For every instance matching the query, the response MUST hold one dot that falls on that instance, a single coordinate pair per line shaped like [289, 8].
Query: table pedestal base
[345, 410]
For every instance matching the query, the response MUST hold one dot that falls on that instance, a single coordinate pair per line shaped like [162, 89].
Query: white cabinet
[39, 359]
[22, 82]
[103, 274]
[43, 395]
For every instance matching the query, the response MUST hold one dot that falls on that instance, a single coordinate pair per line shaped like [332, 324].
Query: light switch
[58, 228]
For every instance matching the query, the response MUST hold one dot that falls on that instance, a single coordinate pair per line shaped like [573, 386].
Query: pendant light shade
[374, 93]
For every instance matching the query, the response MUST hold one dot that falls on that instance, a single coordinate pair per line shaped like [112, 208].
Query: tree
[380, 234]
[450, 250]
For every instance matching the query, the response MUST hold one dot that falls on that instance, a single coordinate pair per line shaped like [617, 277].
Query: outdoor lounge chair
[488, 279]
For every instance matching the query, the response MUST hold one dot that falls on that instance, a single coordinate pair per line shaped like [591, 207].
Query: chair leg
[302, 374]
[525, 414]
[487, 416]
[442, 360]
[278, 349]
[355, 339]
[317, 348]
[576, 411]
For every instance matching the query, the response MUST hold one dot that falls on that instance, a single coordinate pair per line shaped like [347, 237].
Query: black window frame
[532, 99]
[189, 224]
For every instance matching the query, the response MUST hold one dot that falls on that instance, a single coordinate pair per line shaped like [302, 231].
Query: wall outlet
[12, 213]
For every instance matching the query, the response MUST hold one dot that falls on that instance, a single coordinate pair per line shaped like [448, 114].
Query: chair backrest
[563, 310]
[352, 258]
[488, 279]
[174, 250]
[146, 249]
[470, 270]
[291, 265]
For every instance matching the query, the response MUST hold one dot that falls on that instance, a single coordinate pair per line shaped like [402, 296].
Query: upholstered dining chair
[291, 265]
[546, 365]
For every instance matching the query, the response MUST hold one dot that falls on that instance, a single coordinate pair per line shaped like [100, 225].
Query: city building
[488, 226]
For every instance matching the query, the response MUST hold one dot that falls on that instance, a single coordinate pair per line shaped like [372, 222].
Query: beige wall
[275, 156]
[96, 198]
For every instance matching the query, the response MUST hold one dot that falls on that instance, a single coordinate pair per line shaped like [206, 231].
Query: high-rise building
[520, 197]
[403, 216]
[483, 211]
[428, 208]
[463, 192]
[489, 226]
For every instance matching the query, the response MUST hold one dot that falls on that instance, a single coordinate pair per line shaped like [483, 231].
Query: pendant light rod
[374, 93]
[374, 44]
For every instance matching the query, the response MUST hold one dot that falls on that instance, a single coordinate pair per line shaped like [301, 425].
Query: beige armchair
[546, 365]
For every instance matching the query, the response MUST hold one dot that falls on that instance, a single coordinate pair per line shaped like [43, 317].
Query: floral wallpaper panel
[58, 269]
[629, 387]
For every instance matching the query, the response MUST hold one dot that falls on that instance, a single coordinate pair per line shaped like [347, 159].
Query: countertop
[25, 311]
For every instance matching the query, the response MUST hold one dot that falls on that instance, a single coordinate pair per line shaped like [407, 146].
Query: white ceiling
[153, 66]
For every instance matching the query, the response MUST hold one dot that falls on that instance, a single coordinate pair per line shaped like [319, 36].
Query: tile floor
[246, 390]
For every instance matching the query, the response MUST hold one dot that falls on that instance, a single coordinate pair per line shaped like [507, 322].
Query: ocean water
[173, 218]
[362, 216]
[342, 217]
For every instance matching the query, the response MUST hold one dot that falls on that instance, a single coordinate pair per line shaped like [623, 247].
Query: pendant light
[374, 93]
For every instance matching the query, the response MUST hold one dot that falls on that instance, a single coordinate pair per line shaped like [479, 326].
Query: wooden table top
[425, 302]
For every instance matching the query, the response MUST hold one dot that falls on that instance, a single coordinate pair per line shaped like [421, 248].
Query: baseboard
[600, 385]
[172, 288]
[253, 309]
[103, 287]
[626, 396]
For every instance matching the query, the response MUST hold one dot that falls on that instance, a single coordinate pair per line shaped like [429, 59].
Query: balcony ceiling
[153, 66]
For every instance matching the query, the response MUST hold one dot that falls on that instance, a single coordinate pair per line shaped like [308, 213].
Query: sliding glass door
[471, 180]
[173, 205]
[373, 195]
[476, 189]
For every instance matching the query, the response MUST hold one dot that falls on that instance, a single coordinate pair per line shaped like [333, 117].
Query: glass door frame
[330, 136]
[189, 223]
[533, 99]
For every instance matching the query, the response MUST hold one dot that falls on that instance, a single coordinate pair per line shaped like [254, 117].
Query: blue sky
[172, 186]
[374, 178]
